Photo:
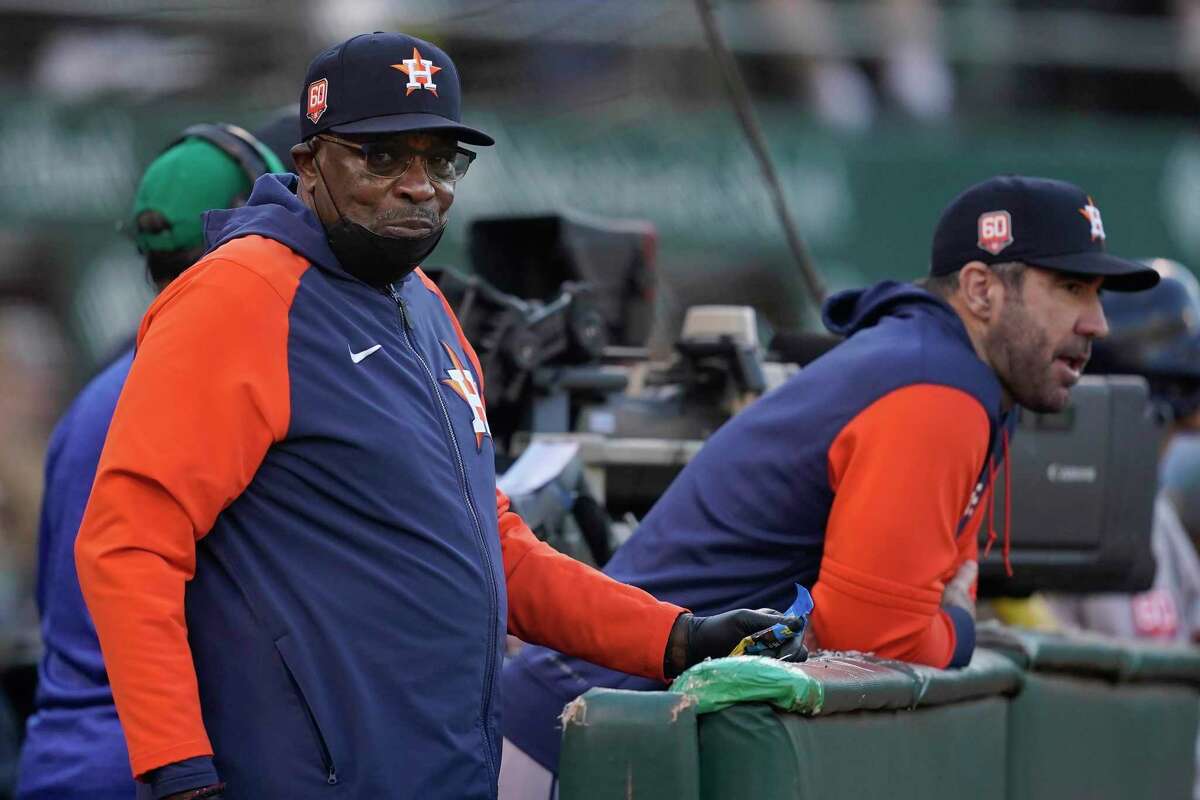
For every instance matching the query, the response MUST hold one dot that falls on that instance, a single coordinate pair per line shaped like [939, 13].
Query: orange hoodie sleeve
[207, 395]
[556, 601]
[902, 471]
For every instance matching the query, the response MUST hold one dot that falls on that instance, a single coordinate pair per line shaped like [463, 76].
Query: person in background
[1155, 334]
[1179, 476]
[74, 746]
[33, 385]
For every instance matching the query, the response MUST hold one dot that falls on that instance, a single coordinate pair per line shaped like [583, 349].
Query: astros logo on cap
[995, 231]
[318, 92]
[420, 72]
[1092, 215]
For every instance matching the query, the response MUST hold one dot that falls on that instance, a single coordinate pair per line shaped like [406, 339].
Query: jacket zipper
[331, 777]
[486, 700]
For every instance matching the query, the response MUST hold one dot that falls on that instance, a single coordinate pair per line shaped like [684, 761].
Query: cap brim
[404, 123]
[1120, 275]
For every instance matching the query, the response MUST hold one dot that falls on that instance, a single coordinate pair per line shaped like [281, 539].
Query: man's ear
[303, 155]
[979, 289]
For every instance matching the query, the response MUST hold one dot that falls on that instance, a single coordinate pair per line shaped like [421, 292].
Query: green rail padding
[1099, 717]
[620, 745]
[830, 683]
[948, 752]
[1072, 737]
[1091, 718]
[1094, 654]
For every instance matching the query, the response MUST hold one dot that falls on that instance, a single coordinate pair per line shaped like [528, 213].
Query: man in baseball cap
[866, 476]
[299, 565]
[373, 104]
[1022, 261]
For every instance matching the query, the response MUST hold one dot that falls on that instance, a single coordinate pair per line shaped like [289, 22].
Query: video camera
[548, 305]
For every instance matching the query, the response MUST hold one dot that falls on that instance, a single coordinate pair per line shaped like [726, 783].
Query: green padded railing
[1099, 717]
[830, 683]
[953, 752]
[623, 744]
[1094, 654]
[619, 744]
[1033, 716]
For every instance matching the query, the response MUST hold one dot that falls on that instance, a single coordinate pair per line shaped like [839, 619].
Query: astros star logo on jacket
[463, 384]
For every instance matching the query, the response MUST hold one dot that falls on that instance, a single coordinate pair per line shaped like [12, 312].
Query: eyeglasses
[390, 158]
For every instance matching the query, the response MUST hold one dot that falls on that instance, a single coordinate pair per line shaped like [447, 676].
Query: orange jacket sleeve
[556, 601]
[207, 395]
[902, 471]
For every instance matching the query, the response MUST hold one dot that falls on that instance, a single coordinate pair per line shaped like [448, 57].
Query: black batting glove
[694, 639]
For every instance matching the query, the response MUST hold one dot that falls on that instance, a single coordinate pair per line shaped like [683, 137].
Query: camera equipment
[717, 370]
[533, 354]
[532, 257]
[1083, 488]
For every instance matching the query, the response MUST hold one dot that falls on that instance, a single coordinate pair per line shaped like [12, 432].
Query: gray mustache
[410, 214]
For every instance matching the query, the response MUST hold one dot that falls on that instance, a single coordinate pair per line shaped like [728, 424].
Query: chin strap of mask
[375, 260]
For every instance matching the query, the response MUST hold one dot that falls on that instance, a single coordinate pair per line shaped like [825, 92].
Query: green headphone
[188, 178]
[254, 157]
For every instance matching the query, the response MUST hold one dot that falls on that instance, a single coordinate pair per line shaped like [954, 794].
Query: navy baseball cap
[384, 83]
[1037, 221]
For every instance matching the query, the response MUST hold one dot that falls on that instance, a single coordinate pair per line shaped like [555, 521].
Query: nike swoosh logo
[357, 357]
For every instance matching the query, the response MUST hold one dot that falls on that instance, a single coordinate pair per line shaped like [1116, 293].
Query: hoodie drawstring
[1006, 548]
[1007, 505]
[991, 490]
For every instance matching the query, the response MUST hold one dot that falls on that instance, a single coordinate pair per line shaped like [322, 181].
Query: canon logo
[1071, 473]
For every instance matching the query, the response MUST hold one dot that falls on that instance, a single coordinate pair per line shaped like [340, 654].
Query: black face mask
[373, 259]
[378, 260]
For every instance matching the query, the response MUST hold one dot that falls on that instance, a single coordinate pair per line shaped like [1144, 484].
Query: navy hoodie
[862, 478]
[295, 553]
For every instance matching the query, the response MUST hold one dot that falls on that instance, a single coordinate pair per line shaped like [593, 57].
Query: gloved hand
[694, 639]
[795, 649]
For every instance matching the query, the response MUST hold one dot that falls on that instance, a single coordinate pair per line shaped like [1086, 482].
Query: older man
[298, 563]
[867, 475]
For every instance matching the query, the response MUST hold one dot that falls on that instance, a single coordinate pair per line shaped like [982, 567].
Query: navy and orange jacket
[861, 477]
[295, 553]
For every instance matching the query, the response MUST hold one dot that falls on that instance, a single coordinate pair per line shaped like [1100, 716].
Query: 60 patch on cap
[383, 83]
[995, 231]
[317, 91]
